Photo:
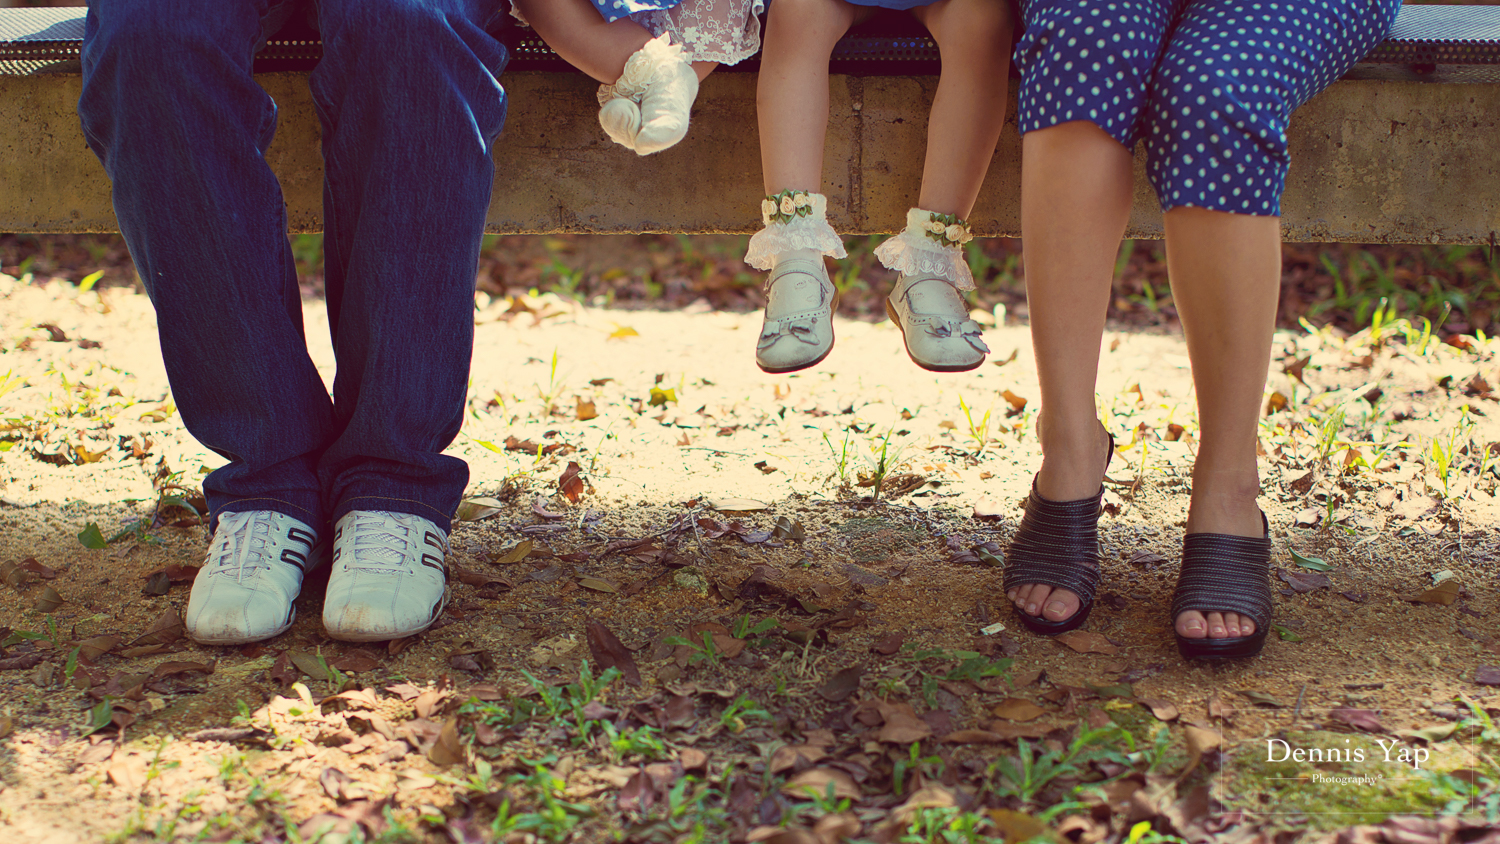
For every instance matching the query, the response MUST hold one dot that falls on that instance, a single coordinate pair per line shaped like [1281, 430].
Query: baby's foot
[665, 107]
[620, 117]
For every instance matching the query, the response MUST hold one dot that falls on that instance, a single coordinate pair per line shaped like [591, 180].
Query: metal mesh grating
[43, 40]
[1427, 35]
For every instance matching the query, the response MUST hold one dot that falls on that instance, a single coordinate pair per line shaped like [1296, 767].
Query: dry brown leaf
[1200, 740]
[931, 796]
[427, 702]
[1359, 719]
[1018, 826]
[792, 756]
[1444, 593]
[1086, 642]
[586, 409]
[736, 505]
[815, 782]
[1164, 710]
[48, 601]
[570, 483]
[357, 661]
[92, 649]
[843, 684]
[165, 630]
[1217, 707]
[598, 585]
[310, 665]
[474, 509]
[447, 750]
[902, 726]
[609, 652]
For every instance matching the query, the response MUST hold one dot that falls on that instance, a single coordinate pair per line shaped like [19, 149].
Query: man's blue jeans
[409, 105]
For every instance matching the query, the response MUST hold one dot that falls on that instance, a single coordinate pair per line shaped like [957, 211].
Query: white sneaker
[389, 577]
[254, 570]
[800, 302]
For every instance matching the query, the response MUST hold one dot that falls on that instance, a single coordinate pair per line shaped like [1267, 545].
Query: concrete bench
[1405, 149]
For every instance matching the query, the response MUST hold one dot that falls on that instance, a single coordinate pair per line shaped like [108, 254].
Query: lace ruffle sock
[800, 298]
[648, 107]
[926, 302]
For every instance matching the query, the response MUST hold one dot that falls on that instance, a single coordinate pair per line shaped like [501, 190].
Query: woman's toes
[1190, 625]
[1035, 598]
[1232, 624]
[1247, 627]
[1216, 625]
[1061, 605]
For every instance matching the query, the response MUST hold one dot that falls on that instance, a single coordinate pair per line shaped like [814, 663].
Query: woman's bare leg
[1076, 193]
[1226, 277]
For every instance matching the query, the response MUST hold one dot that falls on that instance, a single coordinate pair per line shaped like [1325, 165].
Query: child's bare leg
[968, 110]
[963, 127]
[1076, 192]
[1226, 277]
[575, 31]
[792, 98]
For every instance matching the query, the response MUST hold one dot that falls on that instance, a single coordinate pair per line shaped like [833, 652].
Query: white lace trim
[912, 252]
[810, 232]
[724, 31]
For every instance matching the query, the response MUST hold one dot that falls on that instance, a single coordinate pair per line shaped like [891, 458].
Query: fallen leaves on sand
[609, 652]
[570, 483]
[1444, 594]
[842, 684]
[1087, 642]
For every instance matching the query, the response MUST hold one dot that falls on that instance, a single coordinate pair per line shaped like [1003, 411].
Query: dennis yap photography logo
[1394, 751]
[1307, 766]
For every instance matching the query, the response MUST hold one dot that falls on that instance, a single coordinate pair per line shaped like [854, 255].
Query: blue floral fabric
[613, 10]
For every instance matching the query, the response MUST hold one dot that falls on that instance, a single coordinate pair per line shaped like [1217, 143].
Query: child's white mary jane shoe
[935, 324]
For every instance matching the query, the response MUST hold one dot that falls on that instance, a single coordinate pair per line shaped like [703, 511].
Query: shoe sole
[930, 367]
[359, 636]
[241, 640]
[1236, 647]
[1048, 627]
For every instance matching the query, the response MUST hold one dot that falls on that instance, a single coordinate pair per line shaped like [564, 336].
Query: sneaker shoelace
[240, 542]
[379, 543]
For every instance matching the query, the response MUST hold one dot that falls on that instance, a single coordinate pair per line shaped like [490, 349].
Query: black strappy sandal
[1057, 545]
[1222, 573]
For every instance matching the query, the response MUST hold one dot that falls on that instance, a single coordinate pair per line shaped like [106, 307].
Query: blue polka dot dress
[1209, 85]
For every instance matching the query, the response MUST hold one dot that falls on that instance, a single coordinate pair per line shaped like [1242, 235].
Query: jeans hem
[278, 505]
[398, 505]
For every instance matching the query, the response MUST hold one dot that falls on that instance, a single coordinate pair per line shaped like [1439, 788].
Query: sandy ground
[88, 418]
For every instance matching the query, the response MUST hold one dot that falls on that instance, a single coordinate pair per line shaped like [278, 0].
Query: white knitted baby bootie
[925, 303]
[800, 298]
[648, 107]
